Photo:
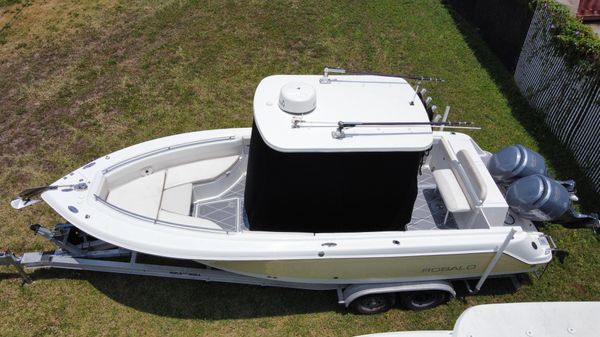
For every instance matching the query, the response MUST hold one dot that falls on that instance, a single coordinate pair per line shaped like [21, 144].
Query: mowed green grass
[82, 79]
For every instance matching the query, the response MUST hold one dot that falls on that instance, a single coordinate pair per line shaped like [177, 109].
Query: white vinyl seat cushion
[451, 192]
[167, 195]
[469, 163]
[140, 196]
[177, 199]
[200, 171]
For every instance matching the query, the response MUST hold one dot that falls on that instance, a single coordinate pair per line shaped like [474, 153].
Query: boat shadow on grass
[492, 286]
[560, 158]
[196, 299]
[218, 301]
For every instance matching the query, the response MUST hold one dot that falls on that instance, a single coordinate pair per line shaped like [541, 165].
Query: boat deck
[227, 210]
[429, 211]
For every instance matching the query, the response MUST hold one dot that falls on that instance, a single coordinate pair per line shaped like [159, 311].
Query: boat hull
[336, 258]
[377, 269]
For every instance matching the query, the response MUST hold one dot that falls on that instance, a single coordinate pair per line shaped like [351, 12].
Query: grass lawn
[79, 79]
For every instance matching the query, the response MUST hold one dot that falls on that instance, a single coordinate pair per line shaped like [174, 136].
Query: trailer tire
[373, 304]
[423, 300]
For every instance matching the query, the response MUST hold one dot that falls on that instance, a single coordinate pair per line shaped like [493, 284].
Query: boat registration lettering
[449, 268]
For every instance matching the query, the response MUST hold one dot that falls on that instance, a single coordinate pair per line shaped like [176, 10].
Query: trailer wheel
[423, 300]
[373, 304]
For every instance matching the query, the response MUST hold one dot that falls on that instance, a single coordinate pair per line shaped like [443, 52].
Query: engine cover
[514, 162]
[538, 198]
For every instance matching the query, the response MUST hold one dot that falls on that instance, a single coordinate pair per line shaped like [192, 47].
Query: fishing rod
[339, 133]
[345, 125]
[327, 70]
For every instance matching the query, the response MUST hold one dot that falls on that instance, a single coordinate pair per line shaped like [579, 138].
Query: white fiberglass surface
[529, 319]
[87, 210]
[216, 202]
[345, 98]
[154, 183]
[220, 201]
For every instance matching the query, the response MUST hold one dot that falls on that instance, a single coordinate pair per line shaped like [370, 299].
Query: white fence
[569, 99]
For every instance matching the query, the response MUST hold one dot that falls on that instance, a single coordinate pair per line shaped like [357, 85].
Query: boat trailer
[80, 251]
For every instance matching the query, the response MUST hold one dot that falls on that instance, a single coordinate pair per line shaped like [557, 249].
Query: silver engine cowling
[533, 195]
[538, 198]
[514, 162]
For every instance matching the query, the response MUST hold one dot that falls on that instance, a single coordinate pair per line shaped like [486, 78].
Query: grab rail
[164, 149]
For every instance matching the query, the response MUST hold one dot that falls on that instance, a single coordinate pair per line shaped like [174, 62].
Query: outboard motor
[539, 198]
[514, 162]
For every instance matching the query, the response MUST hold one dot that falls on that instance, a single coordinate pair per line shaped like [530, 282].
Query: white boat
[302, 197]
[556, 319]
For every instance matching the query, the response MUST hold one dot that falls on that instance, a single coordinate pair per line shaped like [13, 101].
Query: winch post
[46, 233]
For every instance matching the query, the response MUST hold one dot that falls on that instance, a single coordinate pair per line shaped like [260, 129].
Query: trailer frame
[79, 251]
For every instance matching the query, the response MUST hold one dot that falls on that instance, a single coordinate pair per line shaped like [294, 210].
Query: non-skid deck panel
[429, 210]
[227, 210]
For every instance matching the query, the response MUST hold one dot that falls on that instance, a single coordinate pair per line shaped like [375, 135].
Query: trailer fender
[352, 292]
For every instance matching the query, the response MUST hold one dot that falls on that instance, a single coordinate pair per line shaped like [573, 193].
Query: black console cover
[329, 192]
